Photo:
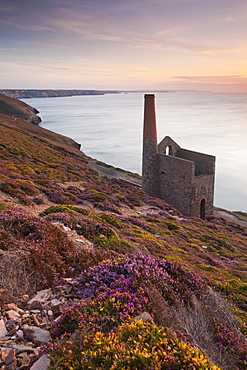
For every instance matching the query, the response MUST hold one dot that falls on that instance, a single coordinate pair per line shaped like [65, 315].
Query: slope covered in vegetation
[17, 108]
[155, 290]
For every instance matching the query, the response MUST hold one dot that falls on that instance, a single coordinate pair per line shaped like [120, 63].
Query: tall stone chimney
[150, 179]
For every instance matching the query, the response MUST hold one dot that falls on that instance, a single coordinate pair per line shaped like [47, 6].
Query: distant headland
[39, 93]
[24, 94]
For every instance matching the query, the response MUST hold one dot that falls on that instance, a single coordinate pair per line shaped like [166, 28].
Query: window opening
[168, 150]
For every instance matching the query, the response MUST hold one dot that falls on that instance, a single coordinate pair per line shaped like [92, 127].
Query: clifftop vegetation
[23, 94]
[18, 109]
[126, 254]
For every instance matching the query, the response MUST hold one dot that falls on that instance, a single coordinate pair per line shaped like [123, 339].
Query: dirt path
[229, 217]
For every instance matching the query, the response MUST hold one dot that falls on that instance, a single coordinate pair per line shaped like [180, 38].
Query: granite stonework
[181, 177]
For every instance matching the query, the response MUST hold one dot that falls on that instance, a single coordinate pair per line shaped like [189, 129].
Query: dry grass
[15, 278]
[195, 321]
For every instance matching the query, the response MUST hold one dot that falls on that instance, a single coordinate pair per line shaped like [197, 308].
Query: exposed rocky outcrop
[16, 108]
[25, 328]
[23, 94]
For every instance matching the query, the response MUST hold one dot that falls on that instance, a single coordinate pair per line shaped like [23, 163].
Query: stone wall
[204, 163]
[202, 187]
[150, 168]
[183, 178]
[176, 176]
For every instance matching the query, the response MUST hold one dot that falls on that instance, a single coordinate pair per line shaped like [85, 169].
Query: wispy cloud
[46, 66]
[146, 45]
[29, 26]
[50, 46]
[211, 79]
[125, 39]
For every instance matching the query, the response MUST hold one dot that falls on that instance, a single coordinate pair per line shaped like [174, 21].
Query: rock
[56, 306]
[12, 365]
[13, 331]
[4, 353]
[22, 348]
[34, 119]
[13, 315]
[19, 333]
[35, 305]
[41, 364]
[42, 296]
[24, 329]
[37, 335]
[25, 361]
[3, 330]
[145, 316]
[12, 306]
[10, 323]
[10, 357]
[35, 320]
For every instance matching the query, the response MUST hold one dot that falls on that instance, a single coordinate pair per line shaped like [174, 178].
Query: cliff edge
[18, 109]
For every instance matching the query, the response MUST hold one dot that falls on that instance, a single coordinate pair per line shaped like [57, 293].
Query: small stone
[4, 353]
[26, 315]
[25, 297]
[10, 357]
[25, 362]
[56, 307]
[42, 363]
[66, 228]
[37, 335]
[19, 333]
[12, 365]
[41, 296]
[35, 305]
[145, 316]
[13, 315]
[35, 311]
[35, 320]
[3, 330]
[12, 306]
[68, 289]
[55, 302]
[12, 331]
[23, 348]
[10, 323]
[69, 280]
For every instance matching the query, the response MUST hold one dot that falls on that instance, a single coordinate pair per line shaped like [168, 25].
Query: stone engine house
[181, 177]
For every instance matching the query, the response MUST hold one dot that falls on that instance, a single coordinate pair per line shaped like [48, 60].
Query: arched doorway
[203, 208]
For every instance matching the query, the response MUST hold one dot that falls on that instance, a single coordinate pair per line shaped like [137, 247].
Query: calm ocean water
[109, 128]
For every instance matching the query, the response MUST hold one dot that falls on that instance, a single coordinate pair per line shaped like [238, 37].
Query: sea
[109, 128]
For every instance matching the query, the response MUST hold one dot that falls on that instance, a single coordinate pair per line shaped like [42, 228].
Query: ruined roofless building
[181, 177]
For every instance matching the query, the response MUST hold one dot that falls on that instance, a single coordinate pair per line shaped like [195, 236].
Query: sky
[124, 44]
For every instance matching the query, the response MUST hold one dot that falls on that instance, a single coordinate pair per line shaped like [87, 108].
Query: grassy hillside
[129, 253]
[17, 108]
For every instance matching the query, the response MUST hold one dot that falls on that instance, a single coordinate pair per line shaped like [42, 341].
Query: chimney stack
[150, 149]
[149, 130]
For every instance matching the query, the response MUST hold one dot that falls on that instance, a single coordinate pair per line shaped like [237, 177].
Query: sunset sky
[124, 44]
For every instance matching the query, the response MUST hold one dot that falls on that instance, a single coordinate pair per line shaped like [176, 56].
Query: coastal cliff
[124, 279]
[24, 94]
[18, 109]
[18, 115]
